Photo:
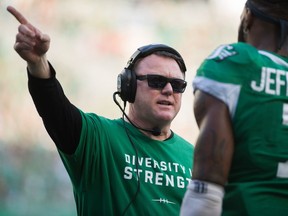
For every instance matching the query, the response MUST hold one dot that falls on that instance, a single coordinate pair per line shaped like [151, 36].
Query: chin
[167, 118]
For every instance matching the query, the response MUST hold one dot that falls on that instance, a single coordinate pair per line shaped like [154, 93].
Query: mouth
[166, 103]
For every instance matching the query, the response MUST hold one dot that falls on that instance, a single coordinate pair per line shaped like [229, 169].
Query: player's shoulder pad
[241, 53]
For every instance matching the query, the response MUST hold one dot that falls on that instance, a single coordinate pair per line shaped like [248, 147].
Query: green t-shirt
[103, 170]
[254, 86]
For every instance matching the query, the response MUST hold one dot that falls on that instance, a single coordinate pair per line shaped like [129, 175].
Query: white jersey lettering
[272, 81]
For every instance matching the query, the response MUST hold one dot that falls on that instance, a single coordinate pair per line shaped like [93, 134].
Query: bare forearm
[215, 143]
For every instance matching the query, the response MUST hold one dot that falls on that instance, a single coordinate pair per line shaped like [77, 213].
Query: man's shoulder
[229, 63]
[183, 141]
[93, 118]
[234, 52]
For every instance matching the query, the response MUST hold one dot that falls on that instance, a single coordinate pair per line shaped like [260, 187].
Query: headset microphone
[156, 131]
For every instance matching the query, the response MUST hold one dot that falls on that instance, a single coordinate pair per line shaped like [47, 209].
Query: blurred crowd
[91, 40]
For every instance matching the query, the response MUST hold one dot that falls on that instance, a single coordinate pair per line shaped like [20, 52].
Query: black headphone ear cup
[127, 85]
[126, 80]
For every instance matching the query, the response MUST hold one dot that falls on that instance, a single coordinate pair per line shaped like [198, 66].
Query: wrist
[202, 199]
[39, 69]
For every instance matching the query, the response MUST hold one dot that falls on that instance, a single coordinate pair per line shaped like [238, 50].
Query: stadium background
[91, 41]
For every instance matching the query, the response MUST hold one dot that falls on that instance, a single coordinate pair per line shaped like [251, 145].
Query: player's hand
[30, 43]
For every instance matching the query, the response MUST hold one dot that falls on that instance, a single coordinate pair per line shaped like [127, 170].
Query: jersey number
[282, 171]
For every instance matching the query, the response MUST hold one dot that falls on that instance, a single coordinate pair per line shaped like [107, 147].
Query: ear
[248, 19]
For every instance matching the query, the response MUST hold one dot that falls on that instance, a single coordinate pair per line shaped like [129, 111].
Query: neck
[152, 132]
[284, 50]
[163, 136]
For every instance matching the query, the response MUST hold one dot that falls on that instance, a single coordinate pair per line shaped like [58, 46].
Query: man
[241, 108]
[135, 165]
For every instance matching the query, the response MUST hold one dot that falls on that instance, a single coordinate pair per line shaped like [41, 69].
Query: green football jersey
[104, 170]
[254, 86]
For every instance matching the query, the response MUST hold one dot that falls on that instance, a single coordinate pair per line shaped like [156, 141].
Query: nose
[167, 90]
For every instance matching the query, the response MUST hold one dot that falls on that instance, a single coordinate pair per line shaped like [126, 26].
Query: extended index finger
[17, 15]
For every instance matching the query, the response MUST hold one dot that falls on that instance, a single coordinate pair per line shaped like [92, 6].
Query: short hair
[275, 8]
[273, 11]
[165, 54]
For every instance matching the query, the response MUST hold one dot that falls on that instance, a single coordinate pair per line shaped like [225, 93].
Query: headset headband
[152, 48]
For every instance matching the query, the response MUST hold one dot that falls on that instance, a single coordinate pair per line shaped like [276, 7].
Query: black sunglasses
[159, 82]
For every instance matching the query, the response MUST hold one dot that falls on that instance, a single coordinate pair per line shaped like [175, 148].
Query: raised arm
[31, 45]
[62, 119]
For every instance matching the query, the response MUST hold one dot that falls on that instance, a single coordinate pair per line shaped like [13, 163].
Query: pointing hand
[30, 43]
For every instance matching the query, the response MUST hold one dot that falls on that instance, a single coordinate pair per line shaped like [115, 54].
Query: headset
[126, 80]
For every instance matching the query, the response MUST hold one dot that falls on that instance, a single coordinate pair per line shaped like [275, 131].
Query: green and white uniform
[103, 170]
[254, 86]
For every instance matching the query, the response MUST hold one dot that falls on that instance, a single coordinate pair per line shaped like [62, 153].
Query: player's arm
[212, 158]
[215, 144]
